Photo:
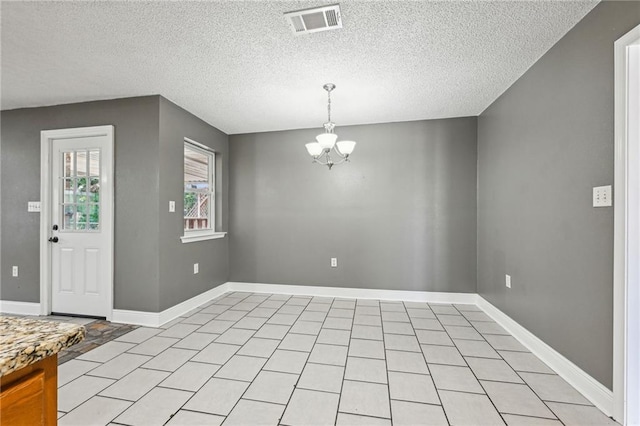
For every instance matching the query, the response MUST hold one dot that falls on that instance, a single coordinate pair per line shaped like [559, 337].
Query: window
[199, 193]
[81, 189]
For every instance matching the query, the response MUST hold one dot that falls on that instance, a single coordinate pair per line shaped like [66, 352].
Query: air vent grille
[332, 18]
[314, 20]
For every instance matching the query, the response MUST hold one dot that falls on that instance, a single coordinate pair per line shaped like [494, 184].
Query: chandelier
[326, 144]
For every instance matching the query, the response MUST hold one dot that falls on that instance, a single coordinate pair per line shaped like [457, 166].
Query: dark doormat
[98, 333]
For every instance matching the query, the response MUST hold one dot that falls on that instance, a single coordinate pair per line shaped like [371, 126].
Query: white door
[81, 221]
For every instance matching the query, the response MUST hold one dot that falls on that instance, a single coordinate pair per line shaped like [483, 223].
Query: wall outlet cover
[507, 281]
[14, 271]
[334, 262]
[196, 268]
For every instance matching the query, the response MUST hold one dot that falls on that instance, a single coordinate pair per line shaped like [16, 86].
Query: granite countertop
[24, 341]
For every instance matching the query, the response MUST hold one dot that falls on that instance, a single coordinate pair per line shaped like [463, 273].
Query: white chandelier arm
[341, 155]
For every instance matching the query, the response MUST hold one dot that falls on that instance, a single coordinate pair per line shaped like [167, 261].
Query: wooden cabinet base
[29, 396]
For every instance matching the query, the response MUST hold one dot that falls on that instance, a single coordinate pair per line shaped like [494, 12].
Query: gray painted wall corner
[542, 146]
[177, 281]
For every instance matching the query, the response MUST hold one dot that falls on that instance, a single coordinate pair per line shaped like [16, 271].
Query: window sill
[192, 237]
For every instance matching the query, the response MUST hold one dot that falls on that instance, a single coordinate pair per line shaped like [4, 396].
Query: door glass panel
[81, 190]
[81, 163]
[68, 213]
[94, 163]
[67, 188]
[68, 161]
[81, 216]
[94, 190]
[94, 216]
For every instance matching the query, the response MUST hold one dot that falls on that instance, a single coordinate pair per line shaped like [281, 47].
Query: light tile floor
[259, 359]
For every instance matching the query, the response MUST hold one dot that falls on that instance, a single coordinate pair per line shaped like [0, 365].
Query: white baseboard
[19, 308]
[156, 319]
[356, 293]
[593, 390]
[146, 319]
[186, 306]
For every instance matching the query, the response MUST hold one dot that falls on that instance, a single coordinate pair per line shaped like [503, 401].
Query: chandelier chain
[329, 105]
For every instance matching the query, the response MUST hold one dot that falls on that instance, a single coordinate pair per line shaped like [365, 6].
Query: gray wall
[136, 190]
[401, 215]
[153, 269]
[177, 280]
[542, 146]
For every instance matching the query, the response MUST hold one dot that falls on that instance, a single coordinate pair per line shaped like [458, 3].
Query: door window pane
[67, 189]
[68, 214]
[94, 163]
[81, 163]
[94, 216]
[94, 190]
[80, 186]
[68, 161]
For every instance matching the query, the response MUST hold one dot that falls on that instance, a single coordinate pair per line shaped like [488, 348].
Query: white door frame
[46, 140]
[626, 283]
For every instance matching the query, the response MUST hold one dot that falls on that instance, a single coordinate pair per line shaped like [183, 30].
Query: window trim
[201, 235]
[189, 236]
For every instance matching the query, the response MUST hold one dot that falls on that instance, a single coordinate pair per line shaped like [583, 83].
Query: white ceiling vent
[314, 20]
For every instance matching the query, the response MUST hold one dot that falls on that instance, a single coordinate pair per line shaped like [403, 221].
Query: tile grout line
[427, 364]
[194, 393]
[212, 376]
[295, 386]
[117, 380]
[517, 374]
[261, 368]
[386, 365]
[474, 374]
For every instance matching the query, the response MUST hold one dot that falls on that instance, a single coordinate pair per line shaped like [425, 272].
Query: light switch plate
[602, 196]
[33, 206]
[172, 206]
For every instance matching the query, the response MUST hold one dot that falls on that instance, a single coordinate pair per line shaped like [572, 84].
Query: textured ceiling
[237, 65]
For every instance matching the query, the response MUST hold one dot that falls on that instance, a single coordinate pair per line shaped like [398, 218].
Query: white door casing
[626, 280]
[76, 259]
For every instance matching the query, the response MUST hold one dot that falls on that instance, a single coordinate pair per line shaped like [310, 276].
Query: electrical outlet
[14, 271]
[507, 281]
[334, 262]
[172, 206]
[602, 196]
[196, 268]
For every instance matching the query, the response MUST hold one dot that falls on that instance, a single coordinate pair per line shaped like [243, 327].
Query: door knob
[53, 239]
